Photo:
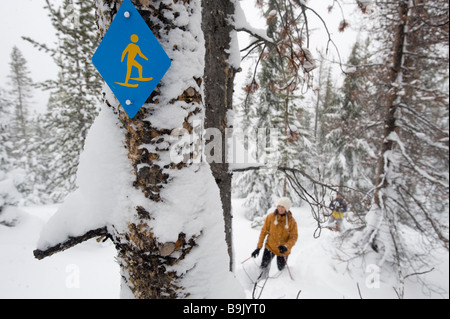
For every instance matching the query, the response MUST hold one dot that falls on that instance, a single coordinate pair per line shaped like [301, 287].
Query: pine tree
[4, 120]
[8, 192]
[42, 164]
[21, 87]
[256, 186]
[279, 109]
[329, 117]
[18, 130]
[349, 149]
[75, 94]
[411, 193]
[361, 133]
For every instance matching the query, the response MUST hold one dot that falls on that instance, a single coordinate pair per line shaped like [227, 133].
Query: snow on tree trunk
[174, 245]
[144, 178]
[408, 219]
[377, 225]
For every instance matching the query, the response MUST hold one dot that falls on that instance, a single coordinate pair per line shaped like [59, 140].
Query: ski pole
[246, 259]
[285, 261]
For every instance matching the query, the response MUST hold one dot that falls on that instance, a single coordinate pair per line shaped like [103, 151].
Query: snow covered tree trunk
[142, 182]
[404, 114]
[408, 218]
[172, 245]
[392, 100]
[380, 231]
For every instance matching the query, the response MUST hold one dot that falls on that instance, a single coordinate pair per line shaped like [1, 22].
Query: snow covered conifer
[3, 123]
[75, 94]
[409, 217]
[8, 192]
[284, 67]
[20, 93]
[18, 130]
[347, 124]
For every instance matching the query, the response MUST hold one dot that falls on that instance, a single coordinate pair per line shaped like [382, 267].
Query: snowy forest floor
[90, 271]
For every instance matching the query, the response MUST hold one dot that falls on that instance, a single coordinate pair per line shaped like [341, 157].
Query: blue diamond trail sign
[130, 59]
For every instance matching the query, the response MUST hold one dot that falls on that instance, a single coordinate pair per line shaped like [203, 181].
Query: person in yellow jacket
[338, 207]
[280, 228]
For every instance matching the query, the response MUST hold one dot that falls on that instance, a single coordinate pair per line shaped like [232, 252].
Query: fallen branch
[70, 242]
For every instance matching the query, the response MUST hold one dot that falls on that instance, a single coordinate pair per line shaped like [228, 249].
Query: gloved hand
[282, 249]
[255, 253]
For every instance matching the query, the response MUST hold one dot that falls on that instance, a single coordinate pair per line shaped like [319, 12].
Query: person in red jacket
[280, 228]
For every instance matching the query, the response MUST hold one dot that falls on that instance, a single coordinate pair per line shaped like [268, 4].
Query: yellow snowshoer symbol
[133, 50]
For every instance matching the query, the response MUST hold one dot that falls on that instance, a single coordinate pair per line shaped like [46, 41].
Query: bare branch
[419, 273]
[255, 35]
[284, 169]
[69, 243]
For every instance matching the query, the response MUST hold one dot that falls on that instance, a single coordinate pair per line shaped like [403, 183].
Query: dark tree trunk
[219, 82]
[391, 99]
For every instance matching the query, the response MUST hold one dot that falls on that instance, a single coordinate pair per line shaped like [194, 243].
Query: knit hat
[285, 202]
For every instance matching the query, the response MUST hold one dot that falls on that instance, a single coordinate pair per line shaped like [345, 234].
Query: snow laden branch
[407, 223]
[70, 242]
[421, 172]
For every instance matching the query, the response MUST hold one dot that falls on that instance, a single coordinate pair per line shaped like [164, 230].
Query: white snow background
[89, 270]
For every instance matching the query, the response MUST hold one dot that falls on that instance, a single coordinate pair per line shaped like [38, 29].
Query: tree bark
[166, 222]
[143, 259]
[72, 241]
[218, 86]
[391, 100]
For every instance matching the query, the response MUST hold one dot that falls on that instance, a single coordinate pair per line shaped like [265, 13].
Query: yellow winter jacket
[338, 215]
[280, 232]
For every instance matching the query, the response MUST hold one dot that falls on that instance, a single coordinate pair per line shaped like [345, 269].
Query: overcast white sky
[28, 18]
